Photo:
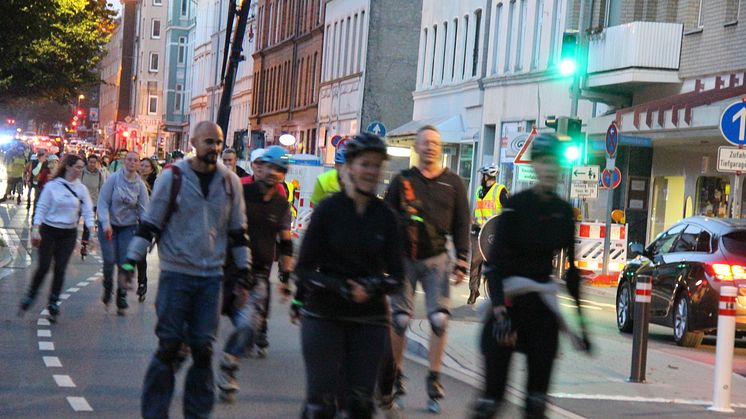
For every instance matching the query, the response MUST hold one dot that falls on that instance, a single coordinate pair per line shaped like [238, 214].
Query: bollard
[643, 296]
[724, 351]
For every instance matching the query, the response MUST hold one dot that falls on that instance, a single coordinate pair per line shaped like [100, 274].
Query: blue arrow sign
[612, 140]
[377, 127]
[733, 123]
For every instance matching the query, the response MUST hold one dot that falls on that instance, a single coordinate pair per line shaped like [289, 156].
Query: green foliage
[50, 48]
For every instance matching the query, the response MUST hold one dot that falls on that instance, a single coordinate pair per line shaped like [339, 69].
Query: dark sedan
[689, 263]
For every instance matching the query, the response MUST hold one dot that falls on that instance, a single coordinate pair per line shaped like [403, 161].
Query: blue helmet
[276, 155]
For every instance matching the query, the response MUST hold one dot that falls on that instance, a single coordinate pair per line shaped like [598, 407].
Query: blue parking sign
[733, 123]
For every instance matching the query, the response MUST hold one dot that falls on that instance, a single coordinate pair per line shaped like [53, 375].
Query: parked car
[688, 263]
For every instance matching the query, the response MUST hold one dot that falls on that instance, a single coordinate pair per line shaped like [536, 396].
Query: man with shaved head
[194, 234]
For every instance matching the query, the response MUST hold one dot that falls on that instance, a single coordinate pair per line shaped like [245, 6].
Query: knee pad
[202, 354]
[168, 351]
[359, 405]
[400, 322]
[439, 322]
[325, 410]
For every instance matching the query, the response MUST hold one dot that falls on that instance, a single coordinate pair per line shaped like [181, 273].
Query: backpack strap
[408, 197]
[176, 178]
[80, 210]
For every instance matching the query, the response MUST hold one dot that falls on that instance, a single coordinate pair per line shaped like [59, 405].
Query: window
[732, 8]
[462, 65]
[664, 244]
[435, 54]
[701, 15]
[155, 29]
[496, 41]
[184, 5]
[153, 67]
[521, 36]
[152, 105]
[455, 51]
[181, 55]
[509, 40]
[423, 55]
[157, 2]
[178, 97]
[477, 37]
[713, 195]
[538, 20]
[693, 239]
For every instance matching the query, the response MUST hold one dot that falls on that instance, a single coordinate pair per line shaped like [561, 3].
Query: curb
[5, 256]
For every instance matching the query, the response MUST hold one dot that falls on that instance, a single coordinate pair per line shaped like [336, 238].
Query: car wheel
[623, 309]
[681, 333]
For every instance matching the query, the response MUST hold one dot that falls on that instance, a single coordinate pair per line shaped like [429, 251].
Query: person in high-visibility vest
[328, 182]
[488, 202]
[290, 188]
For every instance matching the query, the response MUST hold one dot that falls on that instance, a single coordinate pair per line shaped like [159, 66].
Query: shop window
[668, 202]
[713, 196]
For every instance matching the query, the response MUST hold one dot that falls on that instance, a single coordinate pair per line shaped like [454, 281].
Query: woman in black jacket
[349, 261]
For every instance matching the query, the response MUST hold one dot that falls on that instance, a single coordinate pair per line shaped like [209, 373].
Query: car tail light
[726, 272]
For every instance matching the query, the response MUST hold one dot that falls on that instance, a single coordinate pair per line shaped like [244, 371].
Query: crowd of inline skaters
[354, 277]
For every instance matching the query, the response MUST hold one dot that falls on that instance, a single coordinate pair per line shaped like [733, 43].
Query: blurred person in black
[350, 259]
[533, 227]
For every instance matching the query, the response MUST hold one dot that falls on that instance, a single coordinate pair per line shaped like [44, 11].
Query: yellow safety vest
[489, 206]
[291, 198]
[327, 183]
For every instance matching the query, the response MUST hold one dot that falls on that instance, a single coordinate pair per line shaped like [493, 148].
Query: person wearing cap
[534, 226]
[328, 182]
[269, 216]
[349, 261]
[488, 202]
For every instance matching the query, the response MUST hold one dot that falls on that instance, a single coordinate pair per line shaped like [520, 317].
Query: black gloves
[502, 327]
[572, 281]
[284, 277]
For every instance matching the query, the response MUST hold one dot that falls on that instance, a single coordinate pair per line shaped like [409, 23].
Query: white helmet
[490, 170]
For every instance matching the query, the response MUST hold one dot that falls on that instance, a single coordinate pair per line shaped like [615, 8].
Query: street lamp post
[80, 97]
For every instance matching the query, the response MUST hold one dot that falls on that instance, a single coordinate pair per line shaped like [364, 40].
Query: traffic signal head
[551, 122]
[79, 112]
[569, 58]
[571, 152]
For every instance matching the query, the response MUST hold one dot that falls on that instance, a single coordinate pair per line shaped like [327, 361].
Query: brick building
[287, 63]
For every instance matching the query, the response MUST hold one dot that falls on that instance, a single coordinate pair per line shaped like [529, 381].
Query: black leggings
[537, 328]
[333, 348]
[57, 244]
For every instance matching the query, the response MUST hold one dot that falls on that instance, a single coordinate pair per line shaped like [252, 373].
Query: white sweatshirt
[58, 207]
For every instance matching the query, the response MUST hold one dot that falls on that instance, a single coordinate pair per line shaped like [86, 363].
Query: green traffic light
[572, 153]
[567, 67]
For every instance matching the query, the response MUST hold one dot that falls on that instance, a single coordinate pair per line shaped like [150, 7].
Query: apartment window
[153, 67]
[435, 54]
[701, 15]
[462, 65]
[347, 48]
[356, 55]
[152, 105]
[313, 76]
[496, 42]
[423, 56]
[521, 36]
[179, 91]
[477, 37]
[183, 9]
[360, 55]
[157, 2]
[538, 20]
[155, 29]
[509, 40]
[445, 51]
[732, 8]
[181, 55]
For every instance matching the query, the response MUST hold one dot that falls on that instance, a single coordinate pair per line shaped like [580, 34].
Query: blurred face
[547, 171]
[121, 155]
[365, 171]
[208, 143]
[429, 147]
[269, 174]
[229, 160]
[92, 164]
[145, 167]
[131, 161]
[75, 171]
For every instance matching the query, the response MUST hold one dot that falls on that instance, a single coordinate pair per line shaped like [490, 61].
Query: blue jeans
[249, 319]
[114, 251]
[188, 311]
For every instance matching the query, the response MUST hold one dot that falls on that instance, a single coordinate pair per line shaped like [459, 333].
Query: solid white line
[79, 404]
[82, 284]
[63, 380]
[46, 346]
[44, 333]
[73, 289]
[637, 399]
[43, 322]
[588, 301]
[567, 305]
[591, 307]
[51, 361]
[64, 296]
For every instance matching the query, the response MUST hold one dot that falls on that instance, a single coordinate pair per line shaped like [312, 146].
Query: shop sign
[731, 159]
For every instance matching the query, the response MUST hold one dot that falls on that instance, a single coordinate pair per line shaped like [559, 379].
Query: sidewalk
[671, 379]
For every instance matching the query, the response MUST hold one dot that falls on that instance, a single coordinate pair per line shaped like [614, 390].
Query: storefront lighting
[399, 151]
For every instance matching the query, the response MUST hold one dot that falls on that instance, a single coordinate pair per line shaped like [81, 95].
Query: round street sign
[611, 178]
[612, 140]
[377, 127]
[733, 123]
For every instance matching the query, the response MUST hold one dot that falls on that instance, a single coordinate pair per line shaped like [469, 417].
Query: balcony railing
[649, 45]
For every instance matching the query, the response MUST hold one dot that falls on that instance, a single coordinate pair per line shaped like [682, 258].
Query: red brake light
[726, 272]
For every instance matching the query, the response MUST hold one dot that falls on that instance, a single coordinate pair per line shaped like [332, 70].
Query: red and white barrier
[724, 352]
[644, 292]
[589, 247]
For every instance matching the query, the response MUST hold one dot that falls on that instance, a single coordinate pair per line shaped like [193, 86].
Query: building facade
[178, 72]
[287, 72]
[369, 53]
[111, 69]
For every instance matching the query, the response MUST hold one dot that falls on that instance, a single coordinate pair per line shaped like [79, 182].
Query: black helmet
[545, 144]
[177, 154]
[364, 142]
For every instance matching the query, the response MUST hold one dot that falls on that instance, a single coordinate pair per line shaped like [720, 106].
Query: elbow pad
[238, 238]
[286, 247]
[148, 231]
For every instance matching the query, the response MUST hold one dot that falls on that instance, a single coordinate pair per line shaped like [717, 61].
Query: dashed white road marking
[82, 284]
[64, 296]
[44, 333]
[46, 346]
[51, 361]
[44, 312]
[43, 322]
[73, 289]
[79, 404]
[63, 380]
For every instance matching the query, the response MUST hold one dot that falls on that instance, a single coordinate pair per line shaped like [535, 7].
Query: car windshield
[735, 242]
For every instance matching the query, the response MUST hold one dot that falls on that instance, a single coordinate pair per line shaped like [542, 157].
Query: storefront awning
[452, 130]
